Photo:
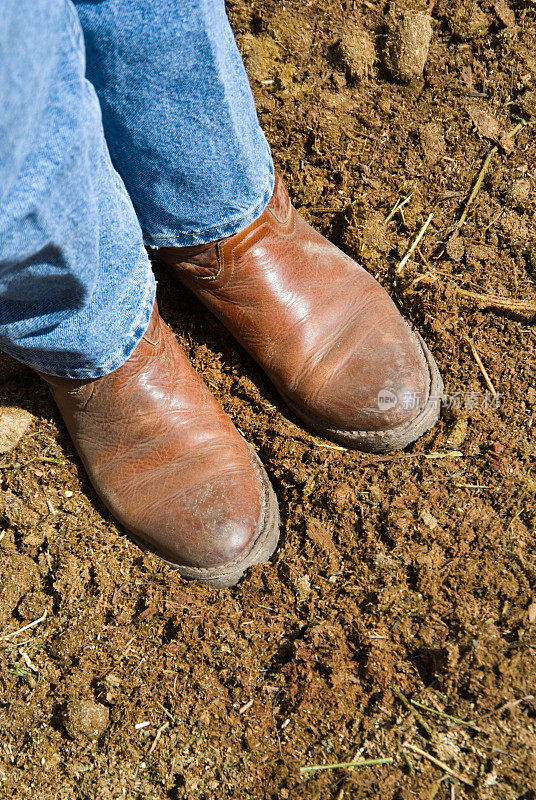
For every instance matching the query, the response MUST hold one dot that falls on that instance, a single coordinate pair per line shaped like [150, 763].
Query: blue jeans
[154, 141]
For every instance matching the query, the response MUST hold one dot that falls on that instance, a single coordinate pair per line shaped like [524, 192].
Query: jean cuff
[113, 360]
[222, 230]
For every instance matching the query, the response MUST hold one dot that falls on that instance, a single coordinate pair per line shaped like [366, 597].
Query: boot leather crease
[323, 329]
[169, 464]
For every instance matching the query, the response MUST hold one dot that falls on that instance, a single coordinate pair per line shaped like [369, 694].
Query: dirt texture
[407, 577]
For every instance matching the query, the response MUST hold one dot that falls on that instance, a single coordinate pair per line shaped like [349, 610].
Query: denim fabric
[178, 115]
[76, 288]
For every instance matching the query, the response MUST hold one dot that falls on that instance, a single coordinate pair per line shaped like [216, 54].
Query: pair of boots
[164, 457]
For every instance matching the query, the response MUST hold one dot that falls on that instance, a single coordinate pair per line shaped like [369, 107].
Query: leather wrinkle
[163, 454]
[321, 326]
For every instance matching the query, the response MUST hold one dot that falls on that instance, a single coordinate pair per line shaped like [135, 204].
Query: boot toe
[374, 383]
[209, 526]
[399, 392]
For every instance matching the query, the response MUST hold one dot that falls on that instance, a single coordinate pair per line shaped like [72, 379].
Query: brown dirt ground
[413, 573]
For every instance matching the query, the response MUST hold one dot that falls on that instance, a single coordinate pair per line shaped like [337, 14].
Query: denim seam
[111, 364]
[262, 203]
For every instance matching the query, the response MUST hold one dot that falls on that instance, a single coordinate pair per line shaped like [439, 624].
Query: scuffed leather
[323, 329]
[164, 457]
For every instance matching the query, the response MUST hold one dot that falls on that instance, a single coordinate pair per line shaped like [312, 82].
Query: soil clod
[85, 718]
[408, 45]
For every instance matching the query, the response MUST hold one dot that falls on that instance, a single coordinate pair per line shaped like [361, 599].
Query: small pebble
[86, 719]
[14, 422]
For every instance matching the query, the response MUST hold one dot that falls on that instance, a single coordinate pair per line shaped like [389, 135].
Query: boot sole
[260, 551]
[384, 441]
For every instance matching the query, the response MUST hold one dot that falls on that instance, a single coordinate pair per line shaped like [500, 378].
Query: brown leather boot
[169, 463]
[327, 334]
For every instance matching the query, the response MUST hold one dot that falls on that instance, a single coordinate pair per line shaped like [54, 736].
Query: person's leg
[77, 304]
[183, 132]
[179, 116]
[76, 287]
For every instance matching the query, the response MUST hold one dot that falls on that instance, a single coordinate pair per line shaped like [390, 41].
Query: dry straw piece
[497, 302]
